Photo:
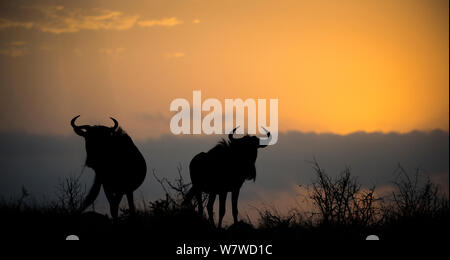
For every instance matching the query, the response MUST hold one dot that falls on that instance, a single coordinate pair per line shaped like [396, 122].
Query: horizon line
[285, 132]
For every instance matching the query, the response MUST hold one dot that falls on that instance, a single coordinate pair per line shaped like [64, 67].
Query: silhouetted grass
[416, 209]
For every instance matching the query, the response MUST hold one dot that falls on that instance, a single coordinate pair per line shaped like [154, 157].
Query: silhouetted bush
[416, 196]
[70, 194]
[342, 209]
[341, 201]
[417, 208]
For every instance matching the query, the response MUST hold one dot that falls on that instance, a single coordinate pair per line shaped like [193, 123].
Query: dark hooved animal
[119, 166]
[224, 169]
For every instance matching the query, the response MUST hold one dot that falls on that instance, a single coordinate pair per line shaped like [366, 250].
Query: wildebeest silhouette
[224, 169]
[119, 166]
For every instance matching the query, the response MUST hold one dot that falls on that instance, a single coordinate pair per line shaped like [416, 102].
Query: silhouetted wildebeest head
[99, 141]
[117, 162]
[224, 168]
[244, 152]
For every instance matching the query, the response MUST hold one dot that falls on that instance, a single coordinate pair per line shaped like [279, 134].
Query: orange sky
[335, 66]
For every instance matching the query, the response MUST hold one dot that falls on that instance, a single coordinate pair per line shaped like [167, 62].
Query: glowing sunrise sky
[335, 66]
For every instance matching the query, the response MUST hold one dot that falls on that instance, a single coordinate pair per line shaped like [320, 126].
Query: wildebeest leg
[234, 203]
[210, 206]
[222, 200]
[131, 203]
[114, 201]
[189, 195]
[198, 196]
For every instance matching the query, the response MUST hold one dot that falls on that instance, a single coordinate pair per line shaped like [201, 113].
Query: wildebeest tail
[92, 195]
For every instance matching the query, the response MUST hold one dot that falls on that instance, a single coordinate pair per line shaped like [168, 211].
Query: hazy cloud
[14, 49]
[59, 19]
[166, 22]
[18, 43]
[62, 20]
[155, 118]
[176, 55]
[38, 161]
[6, 23]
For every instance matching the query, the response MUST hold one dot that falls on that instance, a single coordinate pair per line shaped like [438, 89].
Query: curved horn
[116, 124]
[78, 129]
[269, 138]
[72, 122]
[230, 135]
